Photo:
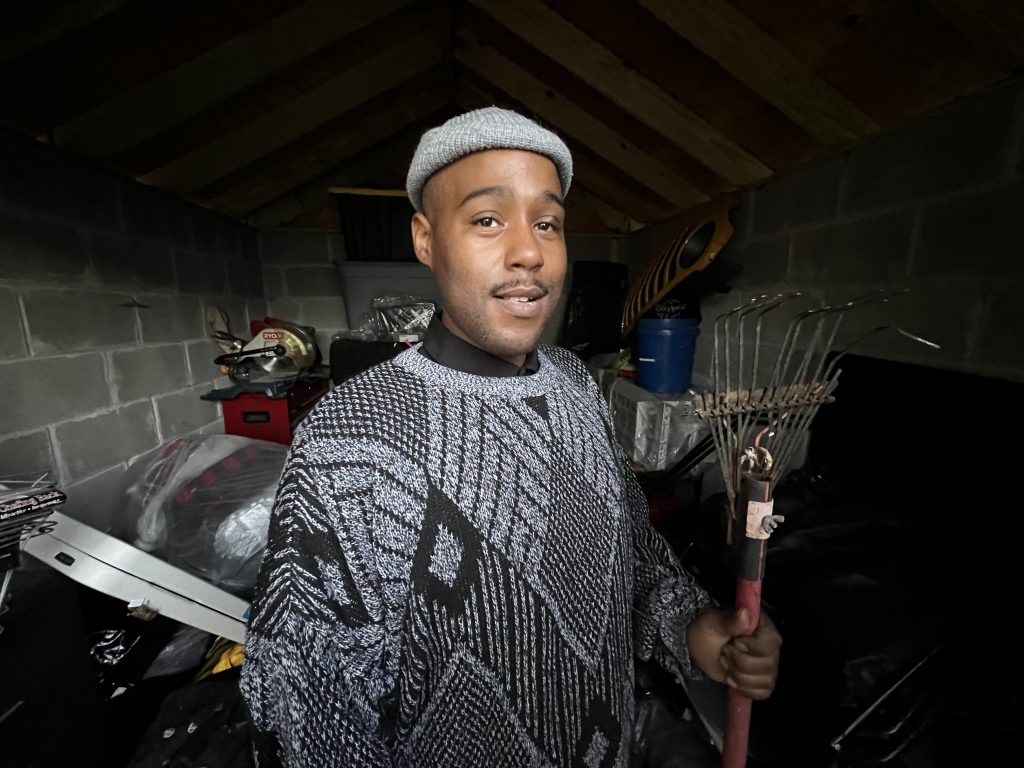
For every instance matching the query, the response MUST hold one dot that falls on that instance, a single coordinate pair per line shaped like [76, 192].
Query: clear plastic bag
[393, 317]
[203, 504]
[403, 314]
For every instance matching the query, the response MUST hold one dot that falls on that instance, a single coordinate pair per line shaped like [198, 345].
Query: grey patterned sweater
[459, 572]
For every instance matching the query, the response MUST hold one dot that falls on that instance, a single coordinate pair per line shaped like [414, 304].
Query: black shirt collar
[444, 347]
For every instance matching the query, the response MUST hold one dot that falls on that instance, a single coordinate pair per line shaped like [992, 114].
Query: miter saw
[276, 376]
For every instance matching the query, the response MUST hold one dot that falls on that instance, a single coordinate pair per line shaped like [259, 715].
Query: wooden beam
[617, 193]
[474, 24]
[606, 73]
[383, 164]
[283, 86]
[692, 78]
[646, 208]
[757, 59]
[896, 60]
[293, 165]
[280, 126]
[559, 110]
[988, 24]
[216, 74]
[583, 216]
[614, 220]
[27, 26]
[118, 52]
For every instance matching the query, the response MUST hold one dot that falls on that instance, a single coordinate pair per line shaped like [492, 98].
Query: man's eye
[547, 226]
[486, 221]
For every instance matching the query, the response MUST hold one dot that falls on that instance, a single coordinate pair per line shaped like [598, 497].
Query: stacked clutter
[25, 506]
[393, 323]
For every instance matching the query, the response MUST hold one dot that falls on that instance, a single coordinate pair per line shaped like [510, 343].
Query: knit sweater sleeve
[314, 673]
[666, 598]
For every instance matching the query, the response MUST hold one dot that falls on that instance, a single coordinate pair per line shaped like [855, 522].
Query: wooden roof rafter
[239, 63]
[605, 72]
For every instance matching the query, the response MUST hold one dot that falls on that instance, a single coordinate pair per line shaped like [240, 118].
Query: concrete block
[39, 250]
[183, 412]
[255, 309]
[104, 440]
[940, 309]
[201, 355]
[249, 241]
[312, 281]
[215, 234]
[99, 500]
[201, 273]
[760, 263]
[978, 234]
[742, 217]
[285, 309]
[336, 247]
[131, 264]
[1000, 343]
[273, 283]
[867, 250]
[775, 324]
[27, 457]
[72, 321]
[803, 197]
[51, 389]
[216, 428]
[296, 247]
[12, 340]
[596, 248]
[156, 215]
[245, 278]
[148, 371]
[171, 318]
[38, 177]
[963, 146]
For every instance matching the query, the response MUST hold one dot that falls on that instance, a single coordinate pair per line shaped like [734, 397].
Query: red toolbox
[274, 418]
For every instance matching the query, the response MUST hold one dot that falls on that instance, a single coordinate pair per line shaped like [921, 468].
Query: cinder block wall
[936, 207]
[302, 284]
[104, 285]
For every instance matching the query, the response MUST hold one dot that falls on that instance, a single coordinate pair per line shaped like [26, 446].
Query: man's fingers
[752, 689]
[748, 663]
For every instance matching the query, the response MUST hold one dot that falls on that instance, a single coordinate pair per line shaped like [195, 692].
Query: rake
[758, 421]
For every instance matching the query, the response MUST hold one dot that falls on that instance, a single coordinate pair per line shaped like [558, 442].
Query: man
[461, 569]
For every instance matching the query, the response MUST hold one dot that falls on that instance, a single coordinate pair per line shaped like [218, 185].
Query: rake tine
[877, 329]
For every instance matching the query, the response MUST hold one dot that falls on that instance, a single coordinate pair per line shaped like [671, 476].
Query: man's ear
[422, 237]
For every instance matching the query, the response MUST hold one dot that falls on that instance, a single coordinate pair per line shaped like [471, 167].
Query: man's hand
[748, 663]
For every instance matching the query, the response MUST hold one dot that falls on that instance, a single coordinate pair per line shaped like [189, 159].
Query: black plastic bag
[201, 724]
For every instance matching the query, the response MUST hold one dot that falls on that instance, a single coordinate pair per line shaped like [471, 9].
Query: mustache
[513, 284]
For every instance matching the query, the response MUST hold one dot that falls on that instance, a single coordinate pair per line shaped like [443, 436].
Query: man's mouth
[524, 295]
[522, 302]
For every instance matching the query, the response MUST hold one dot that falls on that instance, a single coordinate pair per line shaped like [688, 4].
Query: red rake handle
[755, 498]
[737, 728]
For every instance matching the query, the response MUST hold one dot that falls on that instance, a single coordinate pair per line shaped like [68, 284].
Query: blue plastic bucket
[665, 353]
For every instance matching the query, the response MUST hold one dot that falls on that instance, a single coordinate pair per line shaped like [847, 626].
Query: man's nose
[524, 250]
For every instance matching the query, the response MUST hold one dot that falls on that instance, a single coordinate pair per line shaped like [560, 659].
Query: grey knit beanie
[488, 128]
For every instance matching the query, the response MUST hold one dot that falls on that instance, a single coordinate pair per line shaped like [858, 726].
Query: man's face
[494, 236]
